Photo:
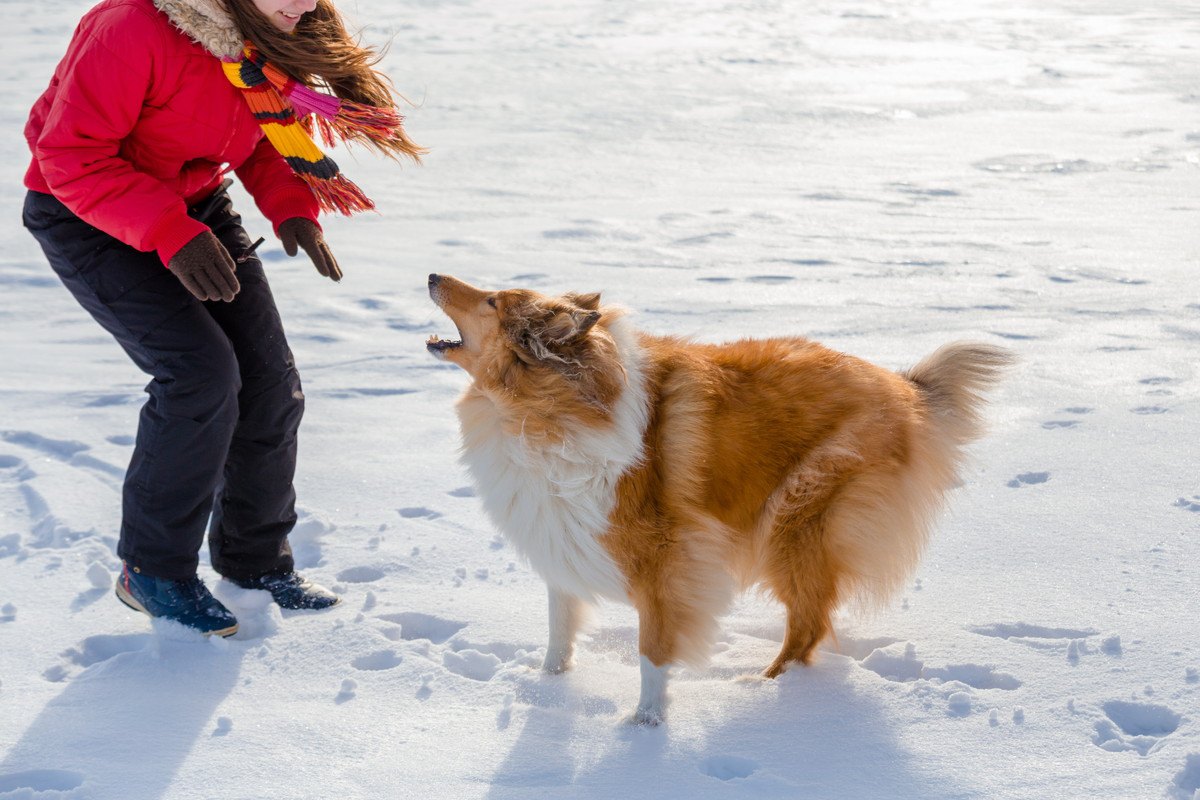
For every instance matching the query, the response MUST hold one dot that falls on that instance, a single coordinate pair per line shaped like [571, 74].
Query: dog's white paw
[648, 717]
[557, 663]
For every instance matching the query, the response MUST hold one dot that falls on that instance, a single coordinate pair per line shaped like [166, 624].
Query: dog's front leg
[566, 616]
[656, 646]
[652, 705]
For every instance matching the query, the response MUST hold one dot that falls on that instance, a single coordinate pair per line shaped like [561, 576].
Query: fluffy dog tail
[883, 519]
[953, 379]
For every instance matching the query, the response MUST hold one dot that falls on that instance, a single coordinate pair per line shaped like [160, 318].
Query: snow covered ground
[880, 175]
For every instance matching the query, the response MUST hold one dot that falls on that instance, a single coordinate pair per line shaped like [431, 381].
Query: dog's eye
[492, 302]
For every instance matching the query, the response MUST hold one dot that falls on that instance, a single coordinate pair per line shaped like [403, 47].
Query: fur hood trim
[207, 23]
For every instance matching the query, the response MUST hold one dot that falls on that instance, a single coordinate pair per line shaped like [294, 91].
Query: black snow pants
[217, 436]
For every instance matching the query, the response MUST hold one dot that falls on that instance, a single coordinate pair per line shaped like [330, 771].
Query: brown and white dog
[670, 474]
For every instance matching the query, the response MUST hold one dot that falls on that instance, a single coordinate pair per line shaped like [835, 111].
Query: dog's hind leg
[566, 617]
[801, 573]
[797, 563]
[809, 592]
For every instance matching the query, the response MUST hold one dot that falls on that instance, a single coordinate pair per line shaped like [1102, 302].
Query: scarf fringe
[338, 194]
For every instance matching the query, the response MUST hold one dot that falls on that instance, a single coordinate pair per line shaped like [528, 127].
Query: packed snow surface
[881, 176]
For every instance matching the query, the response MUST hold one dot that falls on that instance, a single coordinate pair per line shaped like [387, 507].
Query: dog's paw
[557, 663]
[648, 717]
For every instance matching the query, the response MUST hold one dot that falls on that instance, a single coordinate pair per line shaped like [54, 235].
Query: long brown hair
[320, 52]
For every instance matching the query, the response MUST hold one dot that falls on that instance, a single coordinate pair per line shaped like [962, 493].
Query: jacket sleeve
[276, 189]
[103, 84]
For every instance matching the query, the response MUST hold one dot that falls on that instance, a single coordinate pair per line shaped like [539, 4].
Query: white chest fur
[553, 502]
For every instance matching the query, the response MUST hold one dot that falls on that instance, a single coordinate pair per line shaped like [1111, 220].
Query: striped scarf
[282, 106]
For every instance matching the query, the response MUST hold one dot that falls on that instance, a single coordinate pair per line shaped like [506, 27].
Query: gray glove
[205, 269]
[305, 232]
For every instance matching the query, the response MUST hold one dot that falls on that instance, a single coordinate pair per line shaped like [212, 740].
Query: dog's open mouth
[439, 346]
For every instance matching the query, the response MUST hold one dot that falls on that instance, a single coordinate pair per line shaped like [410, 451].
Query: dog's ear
[588, 302]
[544, 332]
[566, 327]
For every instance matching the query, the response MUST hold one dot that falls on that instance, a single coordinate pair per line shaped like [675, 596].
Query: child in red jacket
[154, 102]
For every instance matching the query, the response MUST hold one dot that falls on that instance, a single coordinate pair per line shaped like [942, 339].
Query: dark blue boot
[290, 590]
[187, 602]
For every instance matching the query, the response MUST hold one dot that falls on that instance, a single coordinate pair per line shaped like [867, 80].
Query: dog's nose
[434, 279]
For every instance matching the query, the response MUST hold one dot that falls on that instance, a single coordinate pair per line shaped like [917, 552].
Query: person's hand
[205, 269]
[303, 231]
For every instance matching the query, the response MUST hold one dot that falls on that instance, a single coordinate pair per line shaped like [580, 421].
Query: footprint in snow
[1072, 641]
[1066, 423]
[360, 574]
[921, 192]
[1140, 727]
[856, 648]
[66, 450]
[418, 512]
[806, 262]
[974, 675]
[727, 767]
[1149, 410]
[40, 780]
[369, 391]
[1186, 504]
[58, 449]
[21, 472]
[702, 239]
[1024, 630]
[415, 626]
[1037, 163]
[1159, 384]
[505, 651]
[10, 544]
[16, 477]
[1029, 479]
[377, 661]
[905, 667]
[1186, 784]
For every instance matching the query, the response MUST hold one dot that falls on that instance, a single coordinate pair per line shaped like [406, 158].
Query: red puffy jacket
[139, 122]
